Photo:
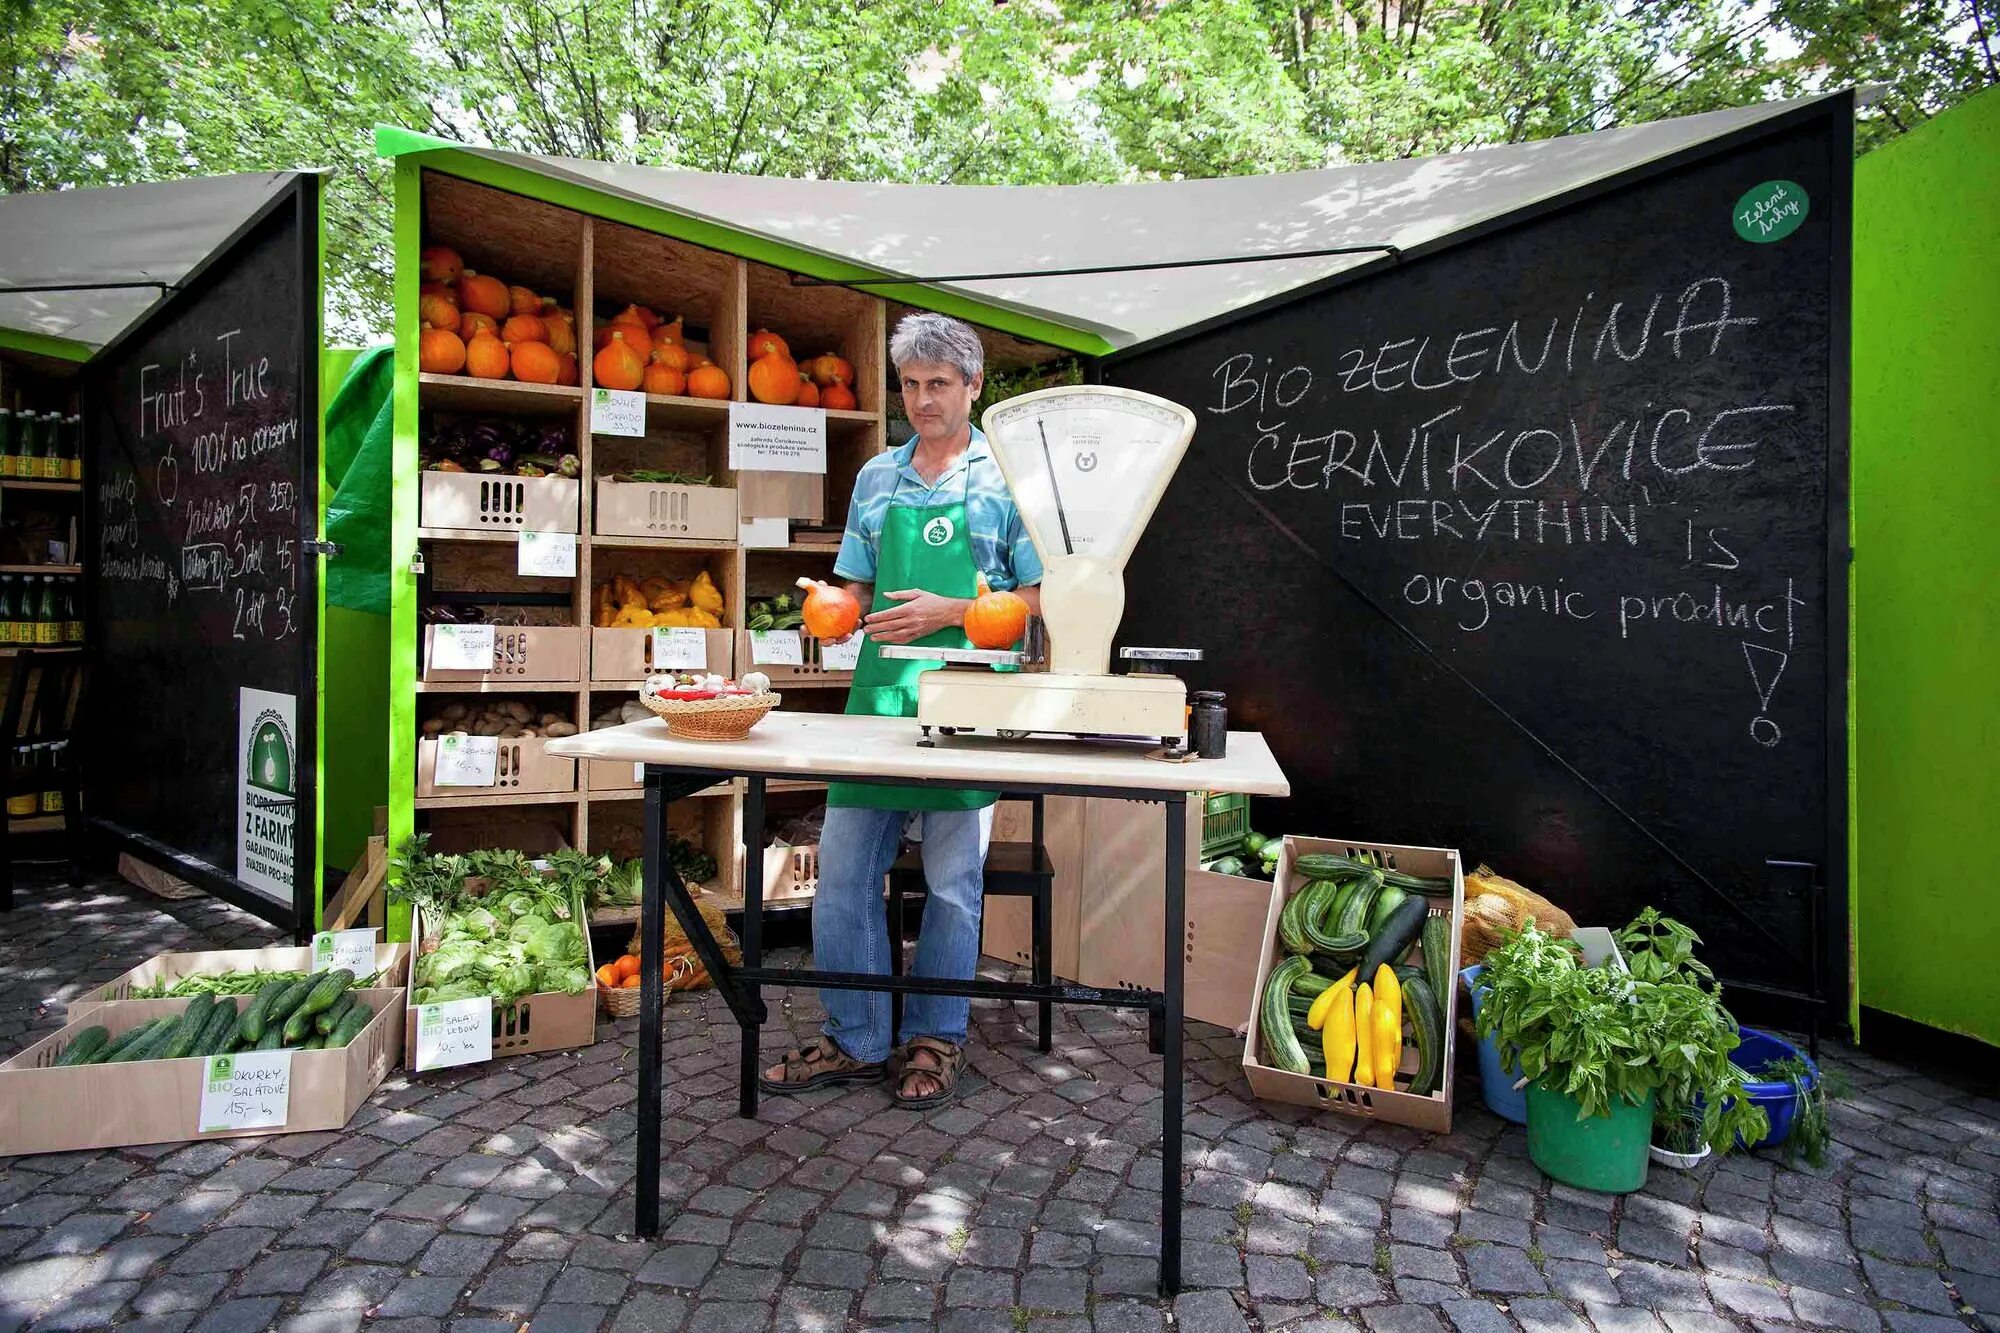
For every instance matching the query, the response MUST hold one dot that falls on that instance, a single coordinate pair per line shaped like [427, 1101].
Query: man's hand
[916, 614]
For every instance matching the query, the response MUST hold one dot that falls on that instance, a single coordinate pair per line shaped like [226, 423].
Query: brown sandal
[947, 1062]
[819, 1064]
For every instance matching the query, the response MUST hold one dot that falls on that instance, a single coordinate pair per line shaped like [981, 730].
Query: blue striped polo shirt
[1000, 542]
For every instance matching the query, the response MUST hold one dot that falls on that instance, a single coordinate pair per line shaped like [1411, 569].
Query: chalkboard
[202, 476]
[1534, 545]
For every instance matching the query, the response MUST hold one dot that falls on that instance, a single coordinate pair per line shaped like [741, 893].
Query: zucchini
[87, 1047]
[126, 1041]
[327, 1019]
[1435, 940]
[194, 1021]
[1310, 985]
[1292, 922]
[1397, 934]
[1322, 865]
[1326, 865]
[1280, 1046]
[350, 1027]
[250, 1027]
[1426, 1022]
[1385, 905]
[330, 987]
[1327, 905]
[1353, 918]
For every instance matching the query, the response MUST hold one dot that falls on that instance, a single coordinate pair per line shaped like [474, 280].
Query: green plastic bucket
[1602, 1153]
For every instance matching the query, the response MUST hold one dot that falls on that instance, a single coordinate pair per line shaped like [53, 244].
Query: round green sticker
[1771, 211]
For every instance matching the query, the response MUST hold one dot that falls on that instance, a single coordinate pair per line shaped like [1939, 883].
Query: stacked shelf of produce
[775, 637]
[703, 841]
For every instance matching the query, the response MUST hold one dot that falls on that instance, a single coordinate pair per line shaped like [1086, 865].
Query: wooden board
[509, 236]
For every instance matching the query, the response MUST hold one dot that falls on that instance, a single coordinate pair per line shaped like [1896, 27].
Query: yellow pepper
[1338, 1042]
[1323, 1005]
[1388, 1028]
[1364, 1035]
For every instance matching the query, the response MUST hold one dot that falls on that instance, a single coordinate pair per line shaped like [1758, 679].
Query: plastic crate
[1225, 819]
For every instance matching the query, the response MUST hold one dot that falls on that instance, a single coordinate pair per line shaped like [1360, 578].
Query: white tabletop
[833, 745]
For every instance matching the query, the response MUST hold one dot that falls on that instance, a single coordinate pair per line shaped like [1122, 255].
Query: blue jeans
[851, 923]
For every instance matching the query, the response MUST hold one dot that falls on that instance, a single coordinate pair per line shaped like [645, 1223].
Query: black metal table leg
[652, 947]
[1174, 967]
[753, 938]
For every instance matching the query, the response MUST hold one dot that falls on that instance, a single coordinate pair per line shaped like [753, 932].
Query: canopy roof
[856, 229]
[77, 240]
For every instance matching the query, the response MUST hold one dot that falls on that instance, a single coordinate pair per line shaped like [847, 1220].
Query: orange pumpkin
[618, 365]
[669, 332]
[661, 378]
[438, 311]
[808, 392]
[486, 295]
[837, 398]
[829, 612]
[830, 369]
[471, 324]
[524, 329]
[440, 351]
[486, 356]
[535, 363]
[562, 334]
[996, 619]
[438, 289]
[634, 333]
[708, 381]
[637, 314]
[764, 342]
[671, 355]
[523, 301]
[570, 372]
[439, 263]
[774, 378]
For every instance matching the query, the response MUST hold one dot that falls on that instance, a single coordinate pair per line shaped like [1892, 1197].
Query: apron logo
[1086, 462]
[938, 531]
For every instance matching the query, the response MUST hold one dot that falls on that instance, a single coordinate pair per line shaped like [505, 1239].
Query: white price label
[639, 771]
[248, 1090]
[841, 654]
[766, 437]
[764, 533]
[467, 761]
[680, 648]
[617, 412]
[462, 647]
[454, 1032]
[548, 555]
[351, 949]
[777, 647]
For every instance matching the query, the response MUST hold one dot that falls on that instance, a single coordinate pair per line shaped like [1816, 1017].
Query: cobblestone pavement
[501, 1197]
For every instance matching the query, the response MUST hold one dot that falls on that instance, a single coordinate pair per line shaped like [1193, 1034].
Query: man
[927, 520]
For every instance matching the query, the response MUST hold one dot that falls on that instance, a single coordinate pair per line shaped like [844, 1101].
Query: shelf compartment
[621, 656]
[522, 654]
[524, 769]
[658, 510]
[465, 393]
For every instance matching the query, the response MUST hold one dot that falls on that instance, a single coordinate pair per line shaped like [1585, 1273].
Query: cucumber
[350, 1027]
[273, 1038]
[313, 1043]
[1281, 1048]
[220, 1033]
[194, 1021]
[329, 987]
[326, 1020]
[156, 1042]
[1435, 940]
[250, 1027]
[285, 1001]
[1397, 934]
[126, 1041]
[1385, 905]
[298, 1027]
[87, 1047]
[1426, 1022]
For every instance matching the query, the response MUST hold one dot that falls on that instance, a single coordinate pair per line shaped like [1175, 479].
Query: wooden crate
[520, 653]
[1432, 1113]
[648, 509]
[524, 766]
[1007, 932]
[544, 1021]
[791, 874]
[809, 670]
[619, 656]
[391, 960]
[489, 502]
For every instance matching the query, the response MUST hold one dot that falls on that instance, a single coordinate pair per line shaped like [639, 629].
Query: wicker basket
[728, 718]
[619, 1001]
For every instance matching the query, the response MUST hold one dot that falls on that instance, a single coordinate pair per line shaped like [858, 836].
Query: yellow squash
[1339, 1040]
[1364, 1035]
[1321, 1007]
[1388, 1046]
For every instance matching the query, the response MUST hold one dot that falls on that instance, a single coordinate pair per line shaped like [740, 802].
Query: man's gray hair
[937, 338]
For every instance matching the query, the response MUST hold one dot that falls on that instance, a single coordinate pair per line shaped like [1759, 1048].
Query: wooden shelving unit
[52, 487]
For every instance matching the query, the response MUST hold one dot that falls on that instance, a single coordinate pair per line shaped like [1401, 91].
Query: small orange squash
[488, 296]
[439, 263]
[808, 392]
[663, 378]
[830, 369]
[471, 324]
[637, 314]
[438, 289]
[996, 619]
[440, 351]
[830, 611]
[486, 356]
[562, 334]
[524, 329]
[438, 311]
[570, 372]
[535, 363]
[764, 342]
[669, 332]
[708, 381]
[617, 364]
[774, 378]
[837, 398]
[523, 301]
[671, 355]
[635, 336]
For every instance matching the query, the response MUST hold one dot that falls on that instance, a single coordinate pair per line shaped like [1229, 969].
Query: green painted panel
[354, 748]
[401, 714]
[1927, 567]
[41, 344]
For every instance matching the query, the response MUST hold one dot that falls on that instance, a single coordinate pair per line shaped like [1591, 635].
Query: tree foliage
[96, 92]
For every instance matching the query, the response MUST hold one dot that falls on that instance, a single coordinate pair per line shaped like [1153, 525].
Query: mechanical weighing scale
[1087, 465]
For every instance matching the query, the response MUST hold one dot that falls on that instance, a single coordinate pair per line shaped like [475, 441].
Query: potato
[517, 710]
[453, 712]
[489, 729]
[634, 712]
[551, 717]
[433, 727]
[561, 729]
[509, 733]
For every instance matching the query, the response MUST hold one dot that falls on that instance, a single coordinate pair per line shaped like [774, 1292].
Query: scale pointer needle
[1055, 490]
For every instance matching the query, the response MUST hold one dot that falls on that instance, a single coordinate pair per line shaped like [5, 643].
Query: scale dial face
[1087, 464]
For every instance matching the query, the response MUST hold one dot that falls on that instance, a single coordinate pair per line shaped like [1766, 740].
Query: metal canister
[1208, 729]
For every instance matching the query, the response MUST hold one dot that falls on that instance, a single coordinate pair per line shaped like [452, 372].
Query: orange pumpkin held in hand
[524, 329]
[523, 301]
[830, 612]
[764, 342]
[662, 378]
[440, 351]
[996, 619]
[486, 356]
[774, 379]
[808, 392]
[837, 398]
[708, 381]
[471, 324]
[487, 296]
[535, 363]
[618, 365]
[569, 372]
[830, 369]
[439, 263]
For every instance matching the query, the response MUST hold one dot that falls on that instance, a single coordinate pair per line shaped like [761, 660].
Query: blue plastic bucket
[1496, 1081]
[1778, 1098]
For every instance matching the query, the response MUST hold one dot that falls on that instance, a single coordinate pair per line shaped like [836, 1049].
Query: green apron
[927, 547]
